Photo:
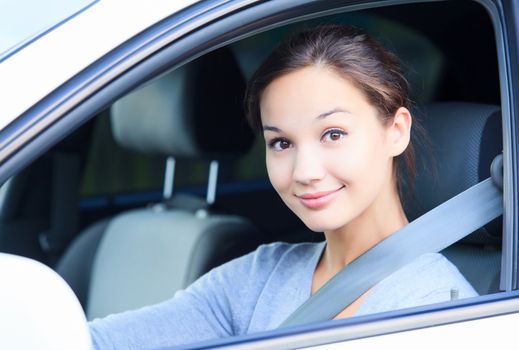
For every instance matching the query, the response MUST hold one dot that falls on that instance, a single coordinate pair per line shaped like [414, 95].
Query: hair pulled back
[354, 55]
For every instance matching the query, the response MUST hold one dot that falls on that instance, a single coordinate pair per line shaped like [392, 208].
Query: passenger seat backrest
[145, 255]
[466, 137]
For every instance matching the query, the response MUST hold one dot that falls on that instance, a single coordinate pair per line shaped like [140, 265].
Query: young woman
[333, 107]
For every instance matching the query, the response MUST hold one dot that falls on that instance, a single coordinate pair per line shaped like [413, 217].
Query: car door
[173, 33]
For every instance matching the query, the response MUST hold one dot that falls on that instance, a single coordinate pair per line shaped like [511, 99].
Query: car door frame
[181, 38]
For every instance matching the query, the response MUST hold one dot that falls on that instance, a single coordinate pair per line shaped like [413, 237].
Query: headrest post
[169, 178]
[213, 178]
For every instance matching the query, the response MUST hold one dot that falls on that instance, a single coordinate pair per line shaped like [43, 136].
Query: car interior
[169, 181]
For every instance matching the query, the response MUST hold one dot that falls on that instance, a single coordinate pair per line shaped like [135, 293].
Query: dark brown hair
[354, 55]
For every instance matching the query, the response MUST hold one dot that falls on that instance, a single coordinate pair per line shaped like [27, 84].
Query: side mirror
[38, 310]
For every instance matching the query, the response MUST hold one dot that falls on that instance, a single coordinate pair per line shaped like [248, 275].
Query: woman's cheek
[345, 163]
[278, 172]
[364, 156]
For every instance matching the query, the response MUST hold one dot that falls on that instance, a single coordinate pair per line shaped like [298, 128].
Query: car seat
[465, 137]
[143, 256]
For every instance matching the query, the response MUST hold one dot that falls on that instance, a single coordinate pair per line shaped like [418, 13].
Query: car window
[107, 162]
[443, 64]
[111, 170]
[430, 67]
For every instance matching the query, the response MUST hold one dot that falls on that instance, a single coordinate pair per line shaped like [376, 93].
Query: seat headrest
[193, 112]
[465, 137]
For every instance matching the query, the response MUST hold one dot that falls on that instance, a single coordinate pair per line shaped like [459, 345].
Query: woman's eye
[333, 135]
[279, 144]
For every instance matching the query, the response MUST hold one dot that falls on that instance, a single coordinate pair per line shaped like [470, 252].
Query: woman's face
[328, 155]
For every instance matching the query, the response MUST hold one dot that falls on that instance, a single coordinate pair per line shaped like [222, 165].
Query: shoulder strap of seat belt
[431, 232]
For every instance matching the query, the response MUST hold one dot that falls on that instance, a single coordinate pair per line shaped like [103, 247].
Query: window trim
[509, 276]
[510, 16]
[380, 324]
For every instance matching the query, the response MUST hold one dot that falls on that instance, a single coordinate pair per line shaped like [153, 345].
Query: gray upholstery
[76, 263]
[193, 112]
[144, 256]
[458, 159]
[466, 137]
[480, 264]
[142, 120]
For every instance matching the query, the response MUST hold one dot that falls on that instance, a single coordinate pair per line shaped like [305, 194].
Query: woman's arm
[192, 315]
[219, 304]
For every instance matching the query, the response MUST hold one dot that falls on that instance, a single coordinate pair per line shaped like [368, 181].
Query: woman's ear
[399, 132]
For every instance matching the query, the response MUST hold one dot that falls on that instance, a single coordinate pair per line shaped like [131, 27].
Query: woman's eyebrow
[271, 128]
[333, 111]
[320, 116]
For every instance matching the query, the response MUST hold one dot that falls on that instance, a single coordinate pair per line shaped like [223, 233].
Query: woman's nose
[308, 166]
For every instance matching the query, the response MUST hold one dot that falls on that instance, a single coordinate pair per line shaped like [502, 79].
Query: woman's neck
[379, 221]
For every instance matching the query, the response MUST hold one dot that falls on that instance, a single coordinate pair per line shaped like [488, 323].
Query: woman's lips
[319, 199]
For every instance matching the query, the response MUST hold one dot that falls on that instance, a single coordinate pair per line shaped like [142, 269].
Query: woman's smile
[318, 200]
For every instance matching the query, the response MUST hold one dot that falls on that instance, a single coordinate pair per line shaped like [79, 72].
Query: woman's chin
[319, 226]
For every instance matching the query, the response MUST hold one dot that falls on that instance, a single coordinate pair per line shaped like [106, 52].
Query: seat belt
[430, 233]
[66, 171]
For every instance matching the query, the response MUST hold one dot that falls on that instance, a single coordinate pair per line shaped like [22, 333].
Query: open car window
[63, 221]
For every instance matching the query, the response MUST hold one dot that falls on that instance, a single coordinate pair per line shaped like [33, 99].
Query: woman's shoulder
[432, 276]
[434, 269]
[429, 279]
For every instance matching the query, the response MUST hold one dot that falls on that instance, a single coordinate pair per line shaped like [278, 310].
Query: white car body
[71, 47]
[39, 311]
[36, 70]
